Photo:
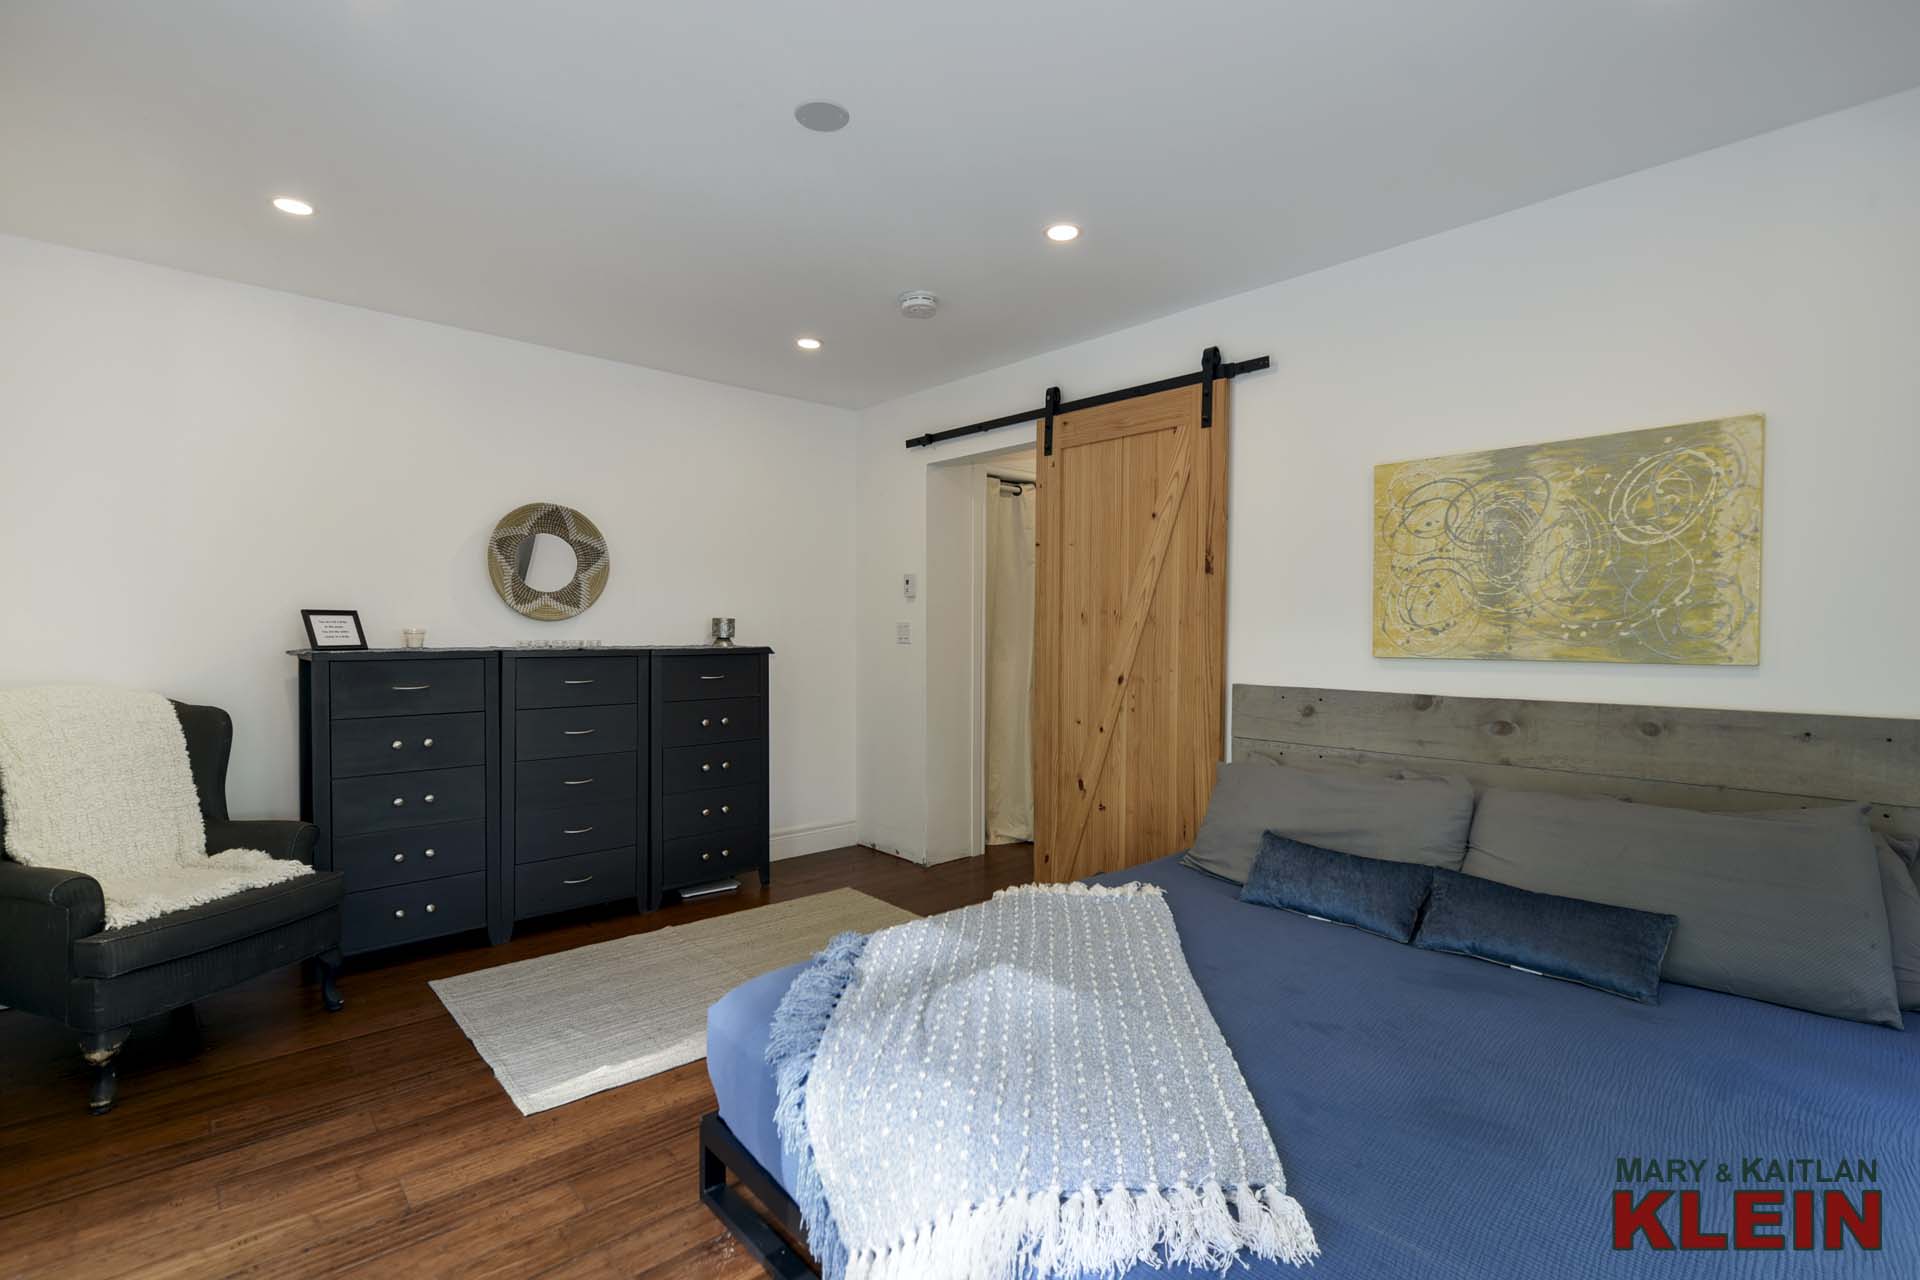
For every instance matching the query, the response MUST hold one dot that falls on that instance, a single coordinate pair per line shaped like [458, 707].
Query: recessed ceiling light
[807, 344]
[1061, 232]
[298, 208]
[822, 117]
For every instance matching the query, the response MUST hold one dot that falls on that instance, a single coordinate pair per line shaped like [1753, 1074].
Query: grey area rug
[561, 1027]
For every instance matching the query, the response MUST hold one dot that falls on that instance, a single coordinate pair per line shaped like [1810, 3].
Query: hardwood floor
[263, 1136]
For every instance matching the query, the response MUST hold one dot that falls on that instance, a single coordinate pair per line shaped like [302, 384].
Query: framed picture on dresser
[334, 629]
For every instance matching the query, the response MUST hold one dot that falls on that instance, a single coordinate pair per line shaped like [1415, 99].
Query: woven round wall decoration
[510, 551]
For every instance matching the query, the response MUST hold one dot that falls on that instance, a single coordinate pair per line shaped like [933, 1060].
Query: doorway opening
[1007, 651]
[979, 635]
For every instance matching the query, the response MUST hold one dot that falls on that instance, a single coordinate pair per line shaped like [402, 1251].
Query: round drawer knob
[399, 857]
[399, 913]
[706, 813]
[428, 853]
[705, 857]
[397, 744]
[704, 722]
[726, 808]
[429, 908]
[398, 801]
[725, 852]
[726, 719]
[726, 764]
[426, 742]
[706, 768]
[429, 797]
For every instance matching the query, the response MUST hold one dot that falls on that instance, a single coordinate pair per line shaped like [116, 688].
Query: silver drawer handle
[578, 682]
[713, 677]
[399, 857]
[575, 831]
[429, 908]
[410, 688]
[397, 744]
[576, 733]
[427, 854]
[581, 880]
[400, 913]
[575, 782]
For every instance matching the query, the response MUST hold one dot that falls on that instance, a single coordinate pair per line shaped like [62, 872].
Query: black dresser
[469, 788]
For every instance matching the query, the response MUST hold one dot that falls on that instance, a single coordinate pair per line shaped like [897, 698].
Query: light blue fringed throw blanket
[1029, 1087]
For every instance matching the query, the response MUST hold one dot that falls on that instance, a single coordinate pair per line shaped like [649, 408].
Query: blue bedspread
[1439, 1116]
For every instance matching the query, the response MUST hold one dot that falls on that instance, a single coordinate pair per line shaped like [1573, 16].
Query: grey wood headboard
[1682, 756]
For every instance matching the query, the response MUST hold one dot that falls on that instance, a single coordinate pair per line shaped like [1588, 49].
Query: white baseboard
[794, 842]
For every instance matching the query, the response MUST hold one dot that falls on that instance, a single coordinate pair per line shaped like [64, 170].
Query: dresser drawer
[575, 882]
[699, 812]
[723, 765]
[575, 731]
[726, 720]
[412, 855]
[391, 801]
[580, 828]
[685, 677]
[576, 780]
[395, 744]
[574, 682]
[409, 912]
[408, 687]
[698, 859]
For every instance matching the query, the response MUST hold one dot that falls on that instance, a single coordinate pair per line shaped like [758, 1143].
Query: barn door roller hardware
[1211, 370]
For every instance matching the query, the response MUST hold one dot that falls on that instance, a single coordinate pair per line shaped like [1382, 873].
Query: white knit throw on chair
[96, 780]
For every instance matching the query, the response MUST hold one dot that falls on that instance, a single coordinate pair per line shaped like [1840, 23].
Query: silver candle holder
[723, 633]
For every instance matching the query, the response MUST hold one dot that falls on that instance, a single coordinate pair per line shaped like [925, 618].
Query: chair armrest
[51, 889]
[42, 911]
[287, 840]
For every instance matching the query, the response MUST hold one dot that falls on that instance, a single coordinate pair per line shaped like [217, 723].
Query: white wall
[1779, 275]
[185, 463]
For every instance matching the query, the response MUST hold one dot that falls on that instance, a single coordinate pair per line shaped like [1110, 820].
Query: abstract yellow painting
[1638, 547]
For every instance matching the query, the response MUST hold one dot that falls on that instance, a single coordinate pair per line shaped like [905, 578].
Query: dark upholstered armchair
[58, 960]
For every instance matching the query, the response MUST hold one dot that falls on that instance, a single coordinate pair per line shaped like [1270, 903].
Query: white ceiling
[626, 179]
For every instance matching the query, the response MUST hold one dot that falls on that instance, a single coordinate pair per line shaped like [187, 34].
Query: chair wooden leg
[99, 1048]
[329, 965]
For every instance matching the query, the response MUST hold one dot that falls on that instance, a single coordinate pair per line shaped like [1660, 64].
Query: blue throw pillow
[1375, 894]
[1613, 949]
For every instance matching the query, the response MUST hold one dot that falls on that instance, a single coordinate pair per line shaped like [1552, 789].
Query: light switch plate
[903, 633]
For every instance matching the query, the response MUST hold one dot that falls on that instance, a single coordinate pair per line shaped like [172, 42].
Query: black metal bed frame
[721, 1152]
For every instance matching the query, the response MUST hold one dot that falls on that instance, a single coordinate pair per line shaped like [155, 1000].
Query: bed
[1440, 1116]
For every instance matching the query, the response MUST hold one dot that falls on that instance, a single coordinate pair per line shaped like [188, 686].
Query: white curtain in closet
[1010, 583]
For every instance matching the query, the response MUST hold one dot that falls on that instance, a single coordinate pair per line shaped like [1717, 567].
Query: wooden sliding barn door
[1129, 631]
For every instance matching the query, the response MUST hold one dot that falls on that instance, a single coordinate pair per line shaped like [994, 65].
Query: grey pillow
[1903, 923]
[1897, 884]
[1787, 909]
[1406, 817]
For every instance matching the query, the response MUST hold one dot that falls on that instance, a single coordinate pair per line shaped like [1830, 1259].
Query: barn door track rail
[1211, 370]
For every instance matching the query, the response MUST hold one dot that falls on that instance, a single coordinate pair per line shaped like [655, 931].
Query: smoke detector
[918, 304]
